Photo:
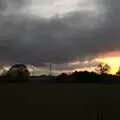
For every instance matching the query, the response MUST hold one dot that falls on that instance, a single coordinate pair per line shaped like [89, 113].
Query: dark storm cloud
[58, 40]
[76, 65]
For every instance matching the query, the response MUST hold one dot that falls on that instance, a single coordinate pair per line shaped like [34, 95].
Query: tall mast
[50, 69]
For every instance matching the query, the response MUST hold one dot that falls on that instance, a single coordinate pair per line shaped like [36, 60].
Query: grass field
[69, 101]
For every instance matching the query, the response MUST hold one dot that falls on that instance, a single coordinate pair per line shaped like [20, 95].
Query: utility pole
[50, 70]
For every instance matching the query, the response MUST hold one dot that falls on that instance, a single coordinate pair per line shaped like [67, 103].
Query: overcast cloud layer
[50, 32]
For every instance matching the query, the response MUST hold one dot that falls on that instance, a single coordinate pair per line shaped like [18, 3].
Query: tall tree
[103, 68]
[2, 70]
[19, 72]
[118, 72]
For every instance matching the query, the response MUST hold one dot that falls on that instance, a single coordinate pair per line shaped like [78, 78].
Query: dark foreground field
[68, 101]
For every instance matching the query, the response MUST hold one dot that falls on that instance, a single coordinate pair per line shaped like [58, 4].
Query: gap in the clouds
[112, 59]
[50, 9]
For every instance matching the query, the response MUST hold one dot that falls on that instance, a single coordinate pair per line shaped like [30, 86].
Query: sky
[71, 35]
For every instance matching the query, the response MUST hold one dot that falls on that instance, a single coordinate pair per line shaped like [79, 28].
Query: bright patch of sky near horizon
[113, 62]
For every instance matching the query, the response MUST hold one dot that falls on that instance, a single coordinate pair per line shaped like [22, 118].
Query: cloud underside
[83, 35]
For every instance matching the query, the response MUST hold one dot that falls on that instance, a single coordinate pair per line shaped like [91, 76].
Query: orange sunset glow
[112, 59]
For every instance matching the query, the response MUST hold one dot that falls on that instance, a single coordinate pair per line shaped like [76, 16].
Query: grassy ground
[59, 101]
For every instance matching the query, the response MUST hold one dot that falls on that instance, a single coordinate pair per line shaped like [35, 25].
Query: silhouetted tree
[18, 72]
[2, 70]
[118, 72]
[62, 77]
[103, 68]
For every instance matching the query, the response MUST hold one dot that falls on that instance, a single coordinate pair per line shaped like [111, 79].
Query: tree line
[20, 72]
